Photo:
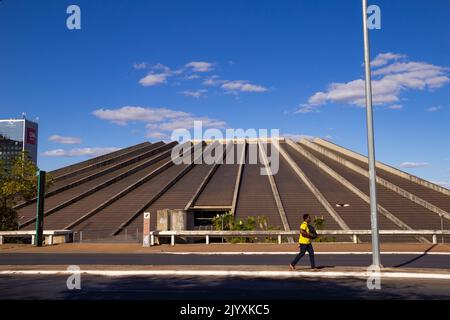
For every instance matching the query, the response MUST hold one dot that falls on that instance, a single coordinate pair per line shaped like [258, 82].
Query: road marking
[295, 252]
[229, 273]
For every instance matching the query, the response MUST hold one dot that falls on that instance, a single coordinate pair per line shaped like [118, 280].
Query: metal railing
[128, 235]
[207, 234]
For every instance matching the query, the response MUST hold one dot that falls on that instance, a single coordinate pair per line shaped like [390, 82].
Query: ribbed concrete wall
[108, 196]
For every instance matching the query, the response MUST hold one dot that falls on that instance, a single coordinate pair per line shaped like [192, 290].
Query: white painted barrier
[208, 234]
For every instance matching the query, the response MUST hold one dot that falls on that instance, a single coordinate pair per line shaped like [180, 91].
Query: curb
[225, 273]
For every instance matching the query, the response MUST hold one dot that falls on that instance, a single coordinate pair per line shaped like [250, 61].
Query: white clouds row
[434, 109]
[194, 94]
[159, 74]
[159, 121]
[79, 152]
[242, 86]
[234, 86]
[389, 82]
[64, 140]
[383, 58]
[414, 164]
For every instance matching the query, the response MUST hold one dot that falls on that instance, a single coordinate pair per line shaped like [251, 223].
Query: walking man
[306, 234]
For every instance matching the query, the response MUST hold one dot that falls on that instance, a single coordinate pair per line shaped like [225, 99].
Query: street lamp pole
[370, 143]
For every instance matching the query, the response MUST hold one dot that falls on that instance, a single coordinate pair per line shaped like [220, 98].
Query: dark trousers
[303, 249]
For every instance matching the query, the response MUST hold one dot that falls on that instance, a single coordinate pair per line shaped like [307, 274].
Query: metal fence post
[434, 239]
[40, 202]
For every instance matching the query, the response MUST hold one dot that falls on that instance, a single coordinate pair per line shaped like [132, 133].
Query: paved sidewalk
[219, 248]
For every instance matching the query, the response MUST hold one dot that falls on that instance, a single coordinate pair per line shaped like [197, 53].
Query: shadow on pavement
[212, 288]
[416, 258]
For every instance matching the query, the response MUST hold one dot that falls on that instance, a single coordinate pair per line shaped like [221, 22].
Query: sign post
[40, 210]
[146, 230]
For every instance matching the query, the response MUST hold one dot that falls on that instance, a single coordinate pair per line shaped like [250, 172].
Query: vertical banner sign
[40, 209]
[146, 230]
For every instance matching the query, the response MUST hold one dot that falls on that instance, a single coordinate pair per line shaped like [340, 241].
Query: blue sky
[138, 69]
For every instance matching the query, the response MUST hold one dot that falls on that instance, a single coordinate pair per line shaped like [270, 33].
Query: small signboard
[146, 230]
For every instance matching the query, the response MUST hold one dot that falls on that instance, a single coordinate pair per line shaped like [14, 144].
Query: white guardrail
[207, 234]
[49, 235]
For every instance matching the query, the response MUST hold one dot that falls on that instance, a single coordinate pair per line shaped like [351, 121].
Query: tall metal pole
[370, 143]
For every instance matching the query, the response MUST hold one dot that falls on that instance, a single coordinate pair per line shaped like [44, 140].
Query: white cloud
[157, 135]
[213, 81]
[162, 68]
[297, 137]
[160, 73]
[387, 85]
[140, 65]
[414, 164]
[306, 108]
[192, 77]
[153, 79]
[242, 86]
[127, 114]
[395, 107]
[433, 109]
[90, 152]
[159, 121]
[194, 94]
[383, 58]
[199, 66]
[64, 140]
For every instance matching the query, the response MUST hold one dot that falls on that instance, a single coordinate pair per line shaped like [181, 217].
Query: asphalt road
[206, 288]
[325, 260]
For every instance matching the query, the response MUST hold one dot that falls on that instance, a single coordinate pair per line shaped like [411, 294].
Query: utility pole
[370, 144]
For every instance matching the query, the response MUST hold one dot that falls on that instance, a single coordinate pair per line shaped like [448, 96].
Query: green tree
[18, 182]
[227, 221]
[319, 224]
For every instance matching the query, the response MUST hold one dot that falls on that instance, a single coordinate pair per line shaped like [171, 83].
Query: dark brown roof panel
[297, 199]
[91, 161]
[434, 197]
[29, 211]
[255, 196]
[67, 215]
[357, 215]
[219, 190]
[176, 197]
[416, 216]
